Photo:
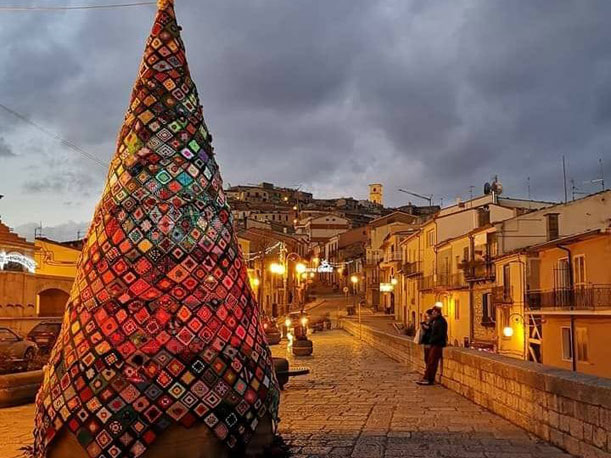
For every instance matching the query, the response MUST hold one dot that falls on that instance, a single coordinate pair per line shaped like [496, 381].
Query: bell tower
[376, 193]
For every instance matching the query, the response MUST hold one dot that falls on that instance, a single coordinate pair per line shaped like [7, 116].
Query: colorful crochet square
[161, 326]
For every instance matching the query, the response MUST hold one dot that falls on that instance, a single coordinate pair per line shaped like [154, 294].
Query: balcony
[395, 256]
[478, 270]
[443, 281]
[502, 295]
[593, 298]
[411, 269]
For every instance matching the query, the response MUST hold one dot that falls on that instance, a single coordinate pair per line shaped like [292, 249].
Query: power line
[55, 136]
[80, 7]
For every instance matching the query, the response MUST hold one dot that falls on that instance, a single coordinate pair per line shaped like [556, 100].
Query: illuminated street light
[439, 304]
[276, 268]
[508, 331]
[394, 281]
[256, 282]
[354, 279]
[300, 268]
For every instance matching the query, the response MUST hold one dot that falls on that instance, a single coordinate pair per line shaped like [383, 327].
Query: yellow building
[410, 309]
[572, 306]
[35, 278]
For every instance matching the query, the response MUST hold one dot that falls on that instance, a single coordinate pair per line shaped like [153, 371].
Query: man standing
[437, 339]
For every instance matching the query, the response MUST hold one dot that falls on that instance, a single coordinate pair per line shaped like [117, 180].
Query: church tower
[376, 193]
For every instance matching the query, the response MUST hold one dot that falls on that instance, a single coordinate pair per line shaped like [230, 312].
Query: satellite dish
[487, 188]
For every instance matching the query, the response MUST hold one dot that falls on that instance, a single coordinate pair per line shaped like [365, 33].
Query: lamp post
[508, 331]
[355, 280]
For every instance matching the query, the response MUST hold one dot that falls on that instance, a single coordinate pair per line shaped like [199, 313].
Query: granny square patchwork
[161, 327]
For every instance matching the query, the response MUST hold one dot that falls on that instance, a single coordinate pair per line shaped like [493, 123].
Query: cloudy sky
[430, 95]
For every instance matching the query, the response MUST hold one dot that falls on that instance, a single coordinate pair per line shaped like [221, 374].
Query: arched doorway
[52, 302]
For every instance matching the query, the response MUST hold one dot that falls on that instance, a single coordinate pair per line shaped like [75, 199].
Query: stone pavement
[359, 403]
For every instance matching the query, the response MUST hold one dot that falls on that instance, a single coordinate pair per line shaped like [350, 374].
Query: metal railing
[395, 256]
[446, 281]
[410, 269]
[595, 297]
[478, 270]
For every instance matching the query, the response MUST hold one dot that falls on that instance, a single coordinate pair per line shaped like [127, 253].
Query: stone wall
[568, 409]
[16, 389]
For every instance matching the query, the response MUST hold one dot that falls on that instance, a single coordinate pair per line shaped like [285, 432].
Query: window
[430, 238]
[465, 253]
[581, 336]
[507, 281]
[562, 277]
[553, 230]
[488, 310]
[579, 267]
[567, 344]
[457, 309]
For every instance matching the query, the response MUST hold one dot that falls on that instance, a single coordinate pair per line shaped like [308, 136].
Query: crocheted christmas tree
[161, 326]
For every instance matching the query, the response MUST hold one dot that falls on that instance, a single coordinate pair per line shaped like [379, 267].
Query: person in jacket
[437, 339]
[425, 330]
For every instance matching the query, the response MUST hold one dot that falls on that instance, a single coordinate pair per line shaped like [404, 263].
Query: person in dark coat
[437, 338]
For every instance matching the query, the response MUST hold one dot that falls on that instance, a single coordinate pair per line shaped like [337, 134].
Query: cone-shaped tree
[161, 327]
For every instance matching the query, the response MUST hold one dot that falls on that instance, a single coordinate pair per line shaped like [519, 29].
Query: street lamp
[355, 280]
[300, 268]
[508, 330]
[277, 268]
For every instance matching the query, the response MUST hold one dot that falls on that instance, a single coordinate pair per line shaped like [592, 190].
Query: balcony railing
[443, 281]
[410, 269]
[393, 257]
[596, 297]
[478, 270]
[502, 295]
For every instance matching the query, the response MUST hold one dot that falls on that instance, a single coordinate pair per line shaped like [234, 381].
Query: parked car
[44, 334]
[16, 353]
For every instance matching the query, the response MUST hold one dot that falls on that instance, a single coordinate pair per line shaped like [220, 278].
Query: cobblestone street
[359, 403]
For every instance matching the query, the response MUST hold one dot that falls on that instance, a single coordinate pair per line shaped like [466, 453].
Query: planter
[273, 338]
[302, 347]
[21, 388]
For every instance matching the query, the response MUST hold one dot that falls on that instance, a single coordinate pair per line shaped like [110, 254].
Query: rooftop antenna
[575, 190]
[566, 197]
[600, 180]
[471, 188]
[529, 194]
[1, 196]
[428, 198]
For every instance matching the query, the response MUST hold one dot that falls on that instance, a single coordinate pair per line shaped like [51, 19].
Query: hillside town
[522, 278]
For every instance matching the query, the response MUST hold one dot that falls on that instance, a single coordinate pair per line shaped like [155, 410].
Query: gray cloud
[5, 148]
[435, 95]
